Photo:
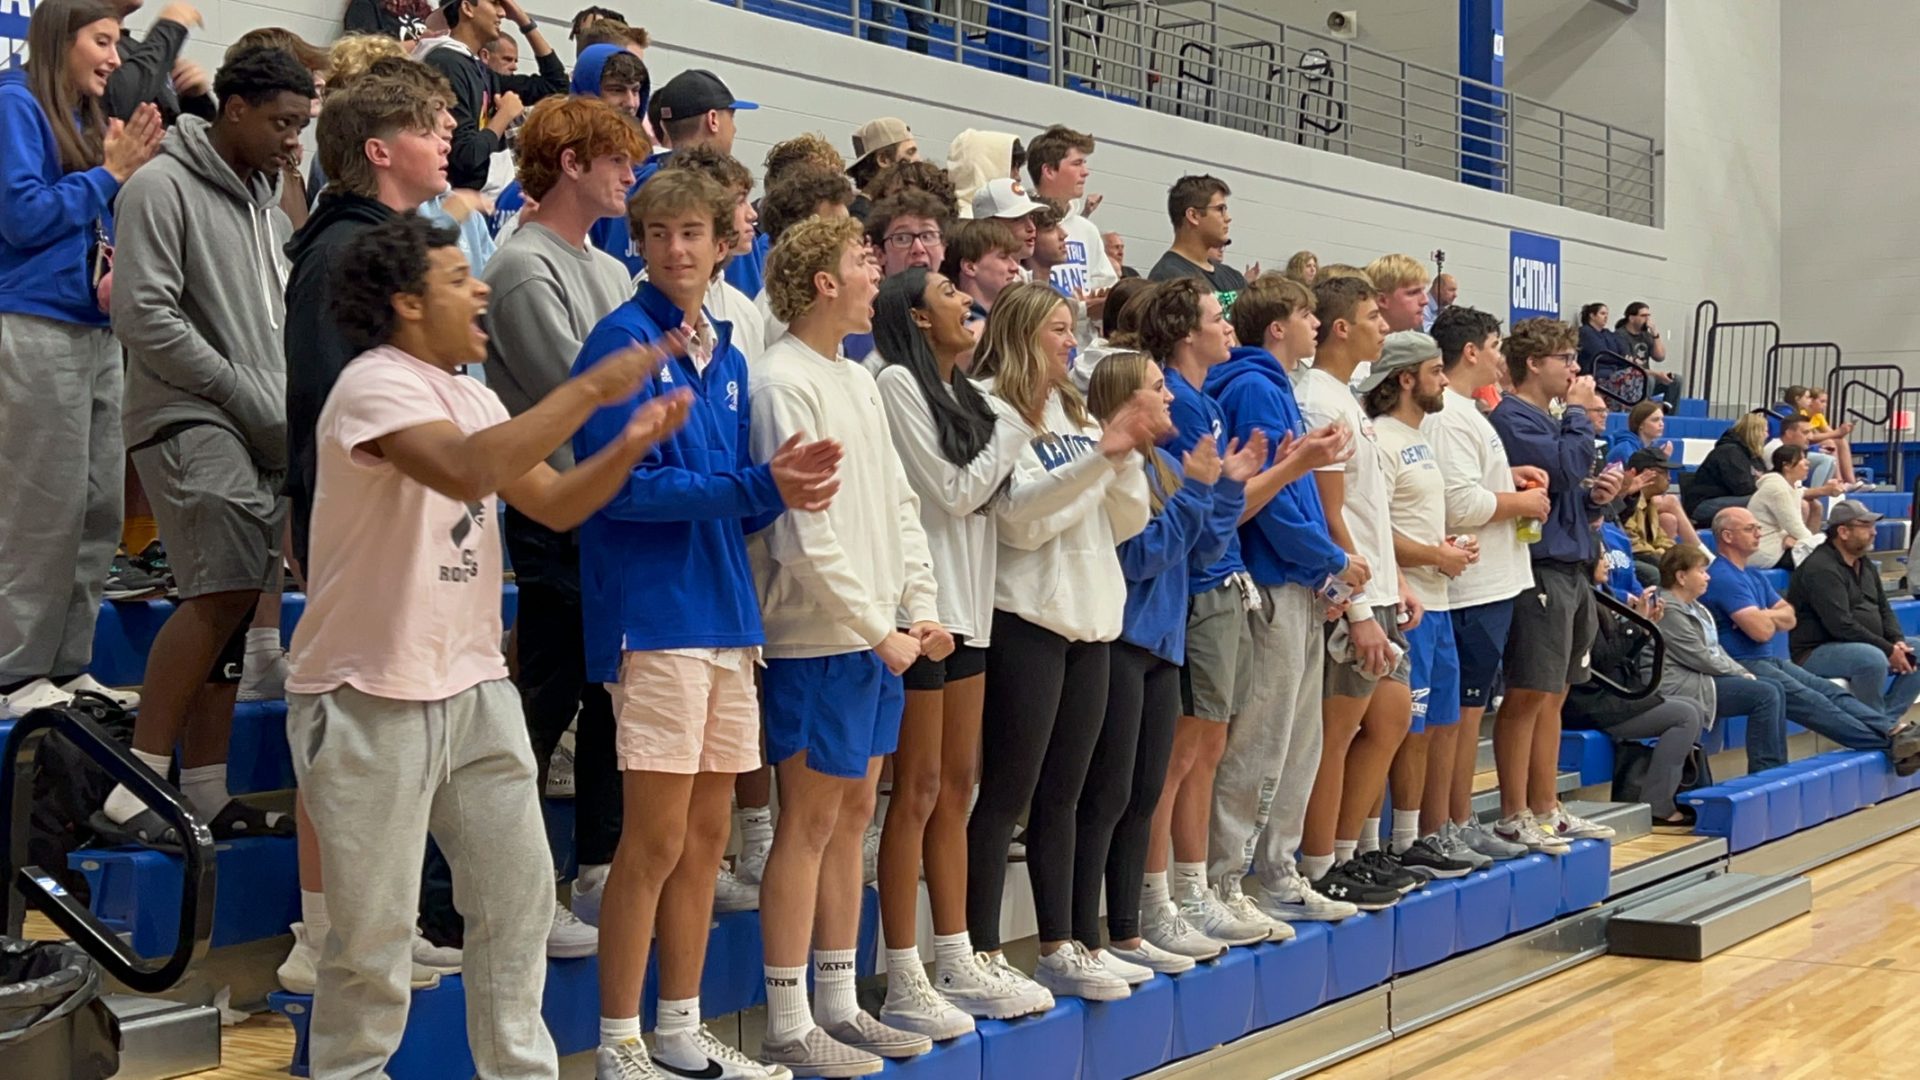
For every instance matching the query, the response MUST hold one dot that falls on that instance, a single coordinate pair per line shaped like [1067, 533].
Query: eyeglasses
[1565, 357]
[904, 240]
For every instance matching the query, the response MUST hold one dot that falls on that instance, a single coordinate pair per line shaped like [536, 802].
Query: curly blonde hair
[811, 147]
[351, 55]
[809, 247]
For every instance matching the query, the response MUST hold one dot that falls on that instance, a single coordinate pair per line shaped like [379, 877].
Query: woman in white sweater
[958, 450]
[1076, 492]
[1778, 507]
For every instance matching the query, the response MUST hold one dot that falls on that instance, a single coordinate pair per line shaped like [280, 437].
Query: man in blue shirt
[1753, 622]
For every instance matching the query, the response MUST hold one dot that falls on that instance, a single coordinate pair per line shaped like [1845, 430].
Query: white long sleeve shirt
[1474, 462]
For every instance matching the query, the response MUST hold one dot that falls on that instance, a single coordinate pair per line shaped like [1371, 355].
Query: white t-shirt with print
[1368, 511]
[1419, 499]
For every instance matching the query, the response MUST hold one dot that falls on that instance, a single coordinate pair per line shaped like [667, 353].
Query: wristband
[528, 27]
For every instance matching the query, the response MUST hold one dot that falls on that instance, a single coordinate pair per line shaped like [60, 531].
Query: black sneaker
[153, 560]
[1358, 889]
[1425, 855]
[1386, 870]
[127, 581]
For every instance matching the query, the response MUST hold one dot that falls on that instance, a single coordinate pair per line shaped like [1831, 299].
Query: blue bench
[136, 891]
[1751, 810]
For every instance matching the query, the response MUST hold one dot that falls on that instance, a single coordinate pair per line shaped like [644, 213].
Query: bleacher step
[1705, 919]
[160, 1039]
[1630, 821]
[1488, 801]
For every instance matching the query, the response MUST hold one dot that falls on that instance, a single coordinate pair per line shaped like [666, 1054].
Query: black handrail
[1617, 366]
[1712, 365]
[1843, 380]
[1777, 384]
[1656, 666]
[27, 885]
[1705, 314]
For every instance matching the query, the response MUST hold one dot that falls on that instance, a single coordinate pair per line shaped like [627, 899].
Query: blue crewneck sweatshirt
[1565, 449]
[664, 565]
[1195, 415]
[1287, 542]
[1157, 562]
[48, 217]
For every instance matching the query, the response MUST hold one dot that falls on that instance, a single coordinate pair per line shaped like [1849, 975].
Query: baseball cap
[1849, 511]
[694, 92]
[876, 135]
[1404, 350]
[1649, 457]
[1003, 199]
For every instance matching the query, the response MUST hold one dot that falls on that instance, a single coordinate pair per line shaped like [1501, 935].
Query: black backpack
[67, 788]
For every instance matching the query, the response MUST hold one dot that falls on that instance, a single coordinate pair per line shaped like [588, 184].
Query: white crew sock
[615, 1030]
[833, 997]
[756, 825]
[903, 964]
[1406, 829]
[263, 639]
[205, 787]
[1153, 891]
[1370, 835]
[1189, 878]
[592, 876]
[1315, 867]
[787, 1015]
[951, 950]
[677, 1017]
[313, 912]
[121, 804]
[675, 1025]
[1343, 851]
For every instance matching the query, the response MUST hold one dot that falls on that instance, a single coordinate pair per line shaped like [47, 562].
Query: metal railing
[1222, 65]
[1735, 375]
[1853, 391]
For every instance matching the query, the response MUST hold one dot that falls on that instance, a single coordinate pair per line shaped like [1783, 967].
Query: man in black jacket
[1847, 630]
[152, 69]
[485, 103]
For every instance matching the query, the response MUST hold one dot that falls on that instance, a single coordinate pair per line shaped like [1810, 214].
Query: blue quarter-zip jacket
[1156, 563]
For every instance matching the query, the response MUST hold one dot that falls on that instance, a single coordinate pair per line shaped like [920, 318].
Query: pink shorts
[681, 714]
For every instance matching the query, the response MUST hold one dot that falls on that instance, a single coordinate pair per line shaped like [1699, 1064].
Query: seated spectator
[1847, 630]
[876, 145]
[1825, 437]
[1729, 474]
[1642, 342]
[1621, 652]
[152, 71]
[1303, 267]
[977, 158]
[1697, 667]
[1117, 254]
[1652, 517]
[1777, 506]
[1823, 480]
[1646, 426]
[1754, 623]
[1596, 338]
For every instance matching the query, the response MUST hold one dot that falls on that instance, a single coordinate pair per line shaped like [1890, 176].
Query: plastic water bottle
[1528, 529]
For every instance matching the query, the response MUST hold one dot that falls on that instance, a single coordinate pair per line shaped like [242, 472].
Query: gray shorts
[1555, 619]
[1346, 679]
[1219, 671]
[219, 514]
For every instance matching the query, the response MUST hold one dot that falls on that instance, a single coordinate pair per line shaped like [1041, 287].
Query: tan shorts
[681, 714]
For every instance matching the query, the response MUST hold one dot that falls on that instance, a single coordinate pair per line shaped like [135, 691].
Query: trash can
[52, 1021]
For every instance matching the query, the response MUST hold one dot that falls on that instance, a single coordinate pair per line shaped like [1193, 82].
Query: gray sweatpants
[61, 501]
[1273, 744]
[377, 774]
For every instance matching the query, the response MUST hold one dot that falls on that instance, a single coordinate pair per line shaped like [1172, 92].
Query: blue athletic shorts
[1480, 639]
[1434, 676]
[843, 710]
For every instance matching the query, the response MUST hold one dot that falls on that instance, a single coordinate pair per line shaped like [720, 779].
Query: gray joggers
[61, 502]
[377, 774]
[1273, 745]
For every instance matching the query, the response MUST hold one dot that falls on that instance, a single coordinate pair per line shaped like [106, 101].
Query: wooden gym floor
[1824, 995]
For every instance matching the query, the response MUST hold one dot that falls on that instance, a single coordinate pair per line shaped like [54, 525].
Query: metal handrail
[1714, 334]
[1655, 666]
[1620, 366]
[1845, 379]
[24, 885]
[1705, 314]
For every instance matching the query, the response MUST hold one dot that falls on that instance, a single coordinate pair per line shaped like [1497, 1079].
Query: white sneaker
[560, 782]
[586, 902]
[979, 988]
[1072, 971]
[870, 854]
[38, 694]
[750, 865]
[730, 894]
[1130, 973]
[628, 1061]
[1524, 830]
[1202, 908]
[263, 676]
[912, 1005]
[1480, 839]
[298, 972]
[570, 938]
[716, 1059]
[126, 699]
[1151, 957]
[1296, 900]
[1169, 931]
[1245, 909]
[441, 959]
[1565, 825]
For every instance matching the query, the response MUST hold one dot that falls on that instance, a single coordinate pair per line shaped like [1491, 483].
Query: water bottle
[1528, 530]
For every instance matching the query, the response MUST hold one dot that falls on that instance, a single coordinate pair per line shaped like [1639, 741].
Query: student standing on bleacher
[1554, 621]
[206, 417]
[152, 71]
[399, 709]
[1198, 207]
[61, 165]
[1847, 630]
[1057, 160]
[486, 104]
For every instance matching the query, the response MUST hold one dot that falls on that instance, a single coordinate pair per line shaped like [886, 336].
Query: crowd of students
[895, 470]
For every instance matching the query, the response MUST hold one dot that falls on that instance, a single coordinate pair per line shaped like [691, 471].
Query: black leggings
[1116, 811]
[1045, 700]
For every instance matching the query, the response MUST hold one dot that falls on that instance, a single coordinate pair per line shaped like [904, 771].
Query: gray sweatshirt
[199, 295]
[1694, 655]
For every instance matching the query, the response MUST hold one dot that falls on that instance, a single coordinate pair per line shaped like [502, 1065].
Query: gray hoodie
[199, 295]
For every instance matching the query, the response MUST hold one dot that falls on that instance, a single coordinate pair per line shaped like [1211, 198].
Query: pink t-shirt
[404, 582]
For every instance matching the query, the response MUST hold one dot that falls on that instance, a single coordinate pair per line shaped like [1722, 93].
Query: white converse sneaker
[1003, 969]
[1130, 973]
[1524, 830]
[1249, 912]
[1563, 824]
[263, 676]
[570, 938]
[560, 781]
[1151, 957]
[38, 694]
[126, 699]
[586, 901]
[1295, 900]
[444, 959]
[1072, 971]
[750, 865]
[912, 1005]
[731, 894]
[628, 1061]
[1202, 908]
[978, 988]
[1169, 931]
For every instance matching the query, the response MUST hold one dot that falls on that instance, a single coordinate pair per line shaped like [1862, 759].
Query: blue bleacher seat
[1816, 792]
[1213, 1004]
[257, 755]
[1590, 753]
[1131, 1036]
[1908, 612]
[1424, 927]
[1586, 874]
[137, 891]
[1736, 814]
[1536, 891]
[955, 1059]
[1044, 1045]
[1291, 976]
[1360, 955]
[1485, 908]
[1691, 407]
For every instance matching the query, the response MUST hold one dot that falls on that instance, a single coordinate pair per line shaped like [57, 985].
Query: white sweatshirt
[955, 500]
[841, 579]
[1066, 510]
[1474, 462]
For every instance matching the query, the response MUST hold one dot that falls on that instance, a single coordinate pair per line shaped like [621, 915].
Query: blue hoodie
[664, 565]
[1195, 415]
[1156, 562]
[1287, 542]
[47, 215]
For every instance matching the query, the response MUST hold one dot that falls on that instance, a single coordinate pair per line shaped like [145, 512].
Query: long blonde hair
[1751, 430]
[1010, 355]
[1115, 379]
